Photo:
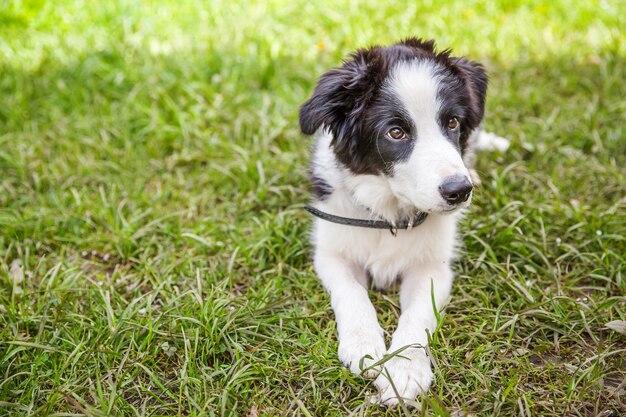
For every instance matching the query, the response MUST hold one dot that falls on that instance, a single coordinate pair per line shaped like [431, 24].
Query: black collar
[372, 224]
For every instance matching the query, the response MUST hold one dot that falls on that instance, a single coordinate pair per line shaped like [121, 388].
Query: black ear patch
[475, 79]
[340, 92]
[339, 99]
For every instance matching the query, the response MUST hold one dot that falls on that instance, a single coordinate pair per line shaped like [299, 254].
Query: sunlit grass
[154, 259]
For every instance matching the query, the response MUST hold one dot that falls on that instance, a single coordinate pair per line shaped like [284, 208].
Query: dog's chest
[387, 257]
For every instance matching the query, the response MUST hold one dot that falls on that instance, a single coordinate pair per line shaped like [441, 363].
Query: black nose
[455, 189]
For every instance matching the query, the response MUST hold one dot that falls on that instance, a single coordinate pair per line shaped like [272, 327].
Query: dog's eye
[396, 133]
[453, 123]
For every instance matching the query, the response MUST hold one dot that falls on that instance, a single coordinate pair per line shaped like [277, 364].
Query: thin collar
[372, 224]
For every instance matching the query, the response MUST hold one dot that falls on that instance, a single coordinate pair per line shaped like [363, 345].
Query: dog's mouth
[449, 210]
[444, 209]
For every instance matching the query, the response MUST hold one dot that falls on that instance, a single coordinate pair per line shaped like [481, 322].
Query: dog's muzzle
[456, 189]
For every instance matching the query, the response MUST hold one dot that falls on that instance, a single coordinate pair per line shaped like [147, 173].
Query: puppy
[395, 129]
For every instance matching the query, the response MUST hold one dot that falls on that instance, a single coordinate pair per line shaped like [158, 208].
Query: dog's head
[404, 113]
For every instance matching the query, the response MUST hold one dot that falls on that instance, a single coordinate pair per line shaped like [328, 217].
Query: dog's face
[404, 113]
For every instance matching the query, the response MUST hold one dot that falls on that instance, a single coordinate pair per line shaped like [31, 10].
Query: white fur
[345, 255]
[488, 141]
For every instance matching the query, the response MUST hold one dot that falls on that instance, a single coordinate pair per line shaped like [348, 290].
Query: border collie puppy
[395, 130]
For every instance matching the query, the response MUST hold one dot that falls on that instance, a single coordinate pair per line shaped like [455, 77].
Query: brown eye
[396, 133]
[453, 123]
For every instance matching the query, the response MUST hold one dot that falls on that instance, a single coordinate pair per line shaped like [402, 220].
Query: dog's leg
[359, 332]
[409, 370]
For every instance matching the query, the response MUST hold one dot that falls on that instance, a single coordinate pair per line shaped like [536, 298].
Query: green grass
[154, 257]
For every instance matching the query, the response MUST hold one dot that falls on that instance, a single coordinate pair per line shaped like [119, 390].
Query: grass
[154, 257]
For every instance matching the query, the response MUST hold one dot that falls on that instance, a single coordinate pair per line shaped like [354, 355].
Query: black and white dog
[396, 128]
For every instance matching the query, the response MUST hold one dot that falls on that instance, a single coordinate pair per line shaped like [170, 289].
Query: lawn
[154, 254]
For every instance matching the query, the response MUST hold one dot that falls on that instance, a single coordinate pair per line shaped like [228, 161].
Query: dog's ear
[475, 79]
[341, 94]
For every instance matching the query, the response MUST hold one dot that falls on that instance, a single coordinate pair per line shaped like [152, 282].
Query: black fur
[321, 189]
[350, 103]
[469, 95]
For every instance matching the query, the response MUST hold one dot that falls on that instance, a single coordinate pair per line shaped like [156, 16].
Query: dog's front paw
[360, 350]
[408, 372]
